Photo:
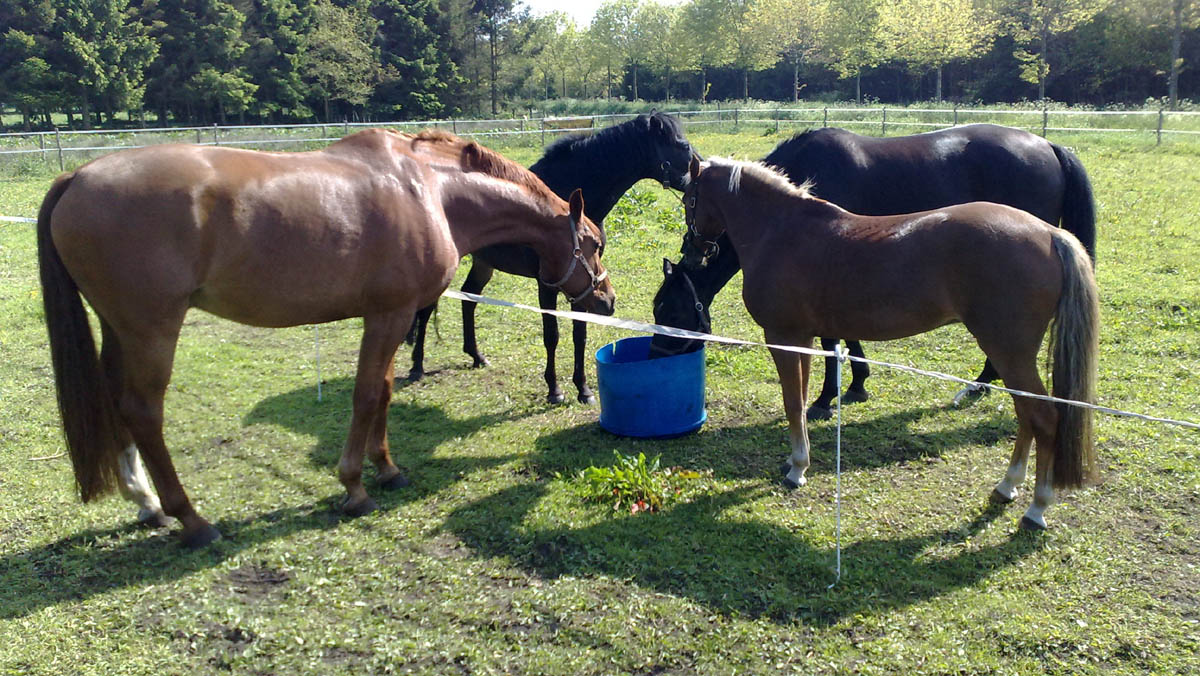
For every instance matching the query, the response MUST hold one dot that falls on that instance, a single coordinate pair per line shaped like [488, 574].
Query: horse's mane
[474, 157]
[761, 173]
[612, 137]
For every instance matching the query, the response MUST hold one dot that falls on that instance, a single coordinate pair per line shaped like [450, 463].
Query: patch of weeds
[633, 483]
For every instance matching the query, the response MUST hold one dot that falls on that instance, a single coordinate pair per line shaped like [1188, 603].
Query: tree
[704, 21]
[668, 44]
[104, 53]
[505, 31]
[337, 60]
[416, 68]
[555, 38]
[1033, 22]
[614, 23]
[852, 38]
[274, 31]
[800, 23]
[928, 34]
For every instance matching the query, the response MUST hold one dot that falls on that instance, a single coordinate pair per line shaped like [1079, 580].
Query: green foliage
[633, 483]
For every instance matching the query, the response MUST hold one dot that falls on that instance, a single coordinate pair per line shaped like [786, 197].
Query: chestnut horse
[372, 226]
[811, 268]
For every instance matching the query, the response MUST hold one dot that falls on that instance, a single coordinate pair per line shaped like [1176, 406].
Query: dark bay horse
[811, 268]
[373, 226]
[882, 176]
[603, 165]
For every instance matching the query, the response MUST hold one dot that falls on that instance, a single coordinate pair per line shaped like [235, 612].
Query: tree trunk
[796, 81]
[938, 90]
[1176, 44]
[746, 84]
[668, 84]
[635, 91]
[608, 81]
[703, 84]
[495, 68]
[1042, 67]
[858, 86]
[86, 111]
[327, 118]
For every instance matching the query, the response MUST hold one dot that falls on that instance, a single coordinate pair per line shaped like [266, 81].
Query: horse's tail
[1079, 207]
[88, 416]
[1074, 343]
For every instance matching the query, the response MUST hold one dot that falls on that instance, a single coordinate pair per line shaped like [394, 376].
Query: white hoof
[969, 394]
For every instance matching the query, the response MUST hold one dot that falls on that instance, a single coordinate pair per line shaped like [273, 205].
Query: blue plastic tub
[643, 397]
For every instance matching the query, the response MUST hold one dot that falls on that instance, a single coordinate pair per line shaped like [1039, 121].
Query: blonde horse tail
[89, 420]
[1074, 344]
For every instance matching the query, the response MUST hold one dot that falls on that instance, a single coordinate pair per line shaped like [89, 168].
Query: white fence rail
[68, 146]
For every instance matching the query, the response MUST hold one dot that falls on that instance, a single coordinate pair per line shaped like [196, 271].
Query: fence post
[776, 120]
[58, 142]
[955, 114]
[454, 126]
[883, 125]
[543, 132]
[825, 118]
[215, 141]
[735, 119]
[346, 126]
[1045, 118]
[42, 145]
[197, 135]
[1158, 134]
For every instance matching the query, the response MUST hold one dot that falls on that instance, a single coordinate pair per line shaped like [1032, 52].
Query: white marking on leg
[1014, 477]
[799, 459]
[135, 485]
[1043, 497]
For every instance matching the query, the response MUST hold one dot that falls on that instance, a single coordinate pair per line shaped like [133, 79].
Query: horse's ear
[576, 204]
[694, 168]
[667, 269]
[655, 122]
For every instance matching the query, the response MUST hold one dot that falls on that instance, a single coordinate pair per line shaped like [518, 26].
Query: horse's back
[906, 174]
[262, 238]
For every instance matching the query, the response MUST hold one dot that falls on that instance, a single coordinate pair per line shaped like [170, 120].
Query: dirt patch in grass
[256, 583]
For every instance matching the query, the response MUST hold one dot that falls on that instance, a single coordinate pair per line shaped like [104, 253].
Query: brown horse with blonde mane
[811, 268]
[372, 226]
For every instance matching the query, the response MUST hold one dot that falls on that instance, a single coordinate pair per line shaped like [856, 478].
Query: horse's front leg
[548, 300]
[793, 369]
[579, 336]
[382, 334]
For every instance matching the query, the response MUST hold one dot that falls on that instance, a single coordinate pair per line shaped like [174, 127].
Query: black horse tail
[89, 420]
[1079, 207]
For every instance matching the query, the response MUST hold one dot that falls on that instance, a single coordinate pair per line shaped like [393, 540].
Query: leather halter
[578, 259]
[708, 247]
[702, 324]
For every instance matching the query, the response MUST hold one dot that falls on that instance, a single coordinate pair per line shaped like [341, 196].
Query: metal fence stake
[883, 125]
[1158, 133]
[58, 142]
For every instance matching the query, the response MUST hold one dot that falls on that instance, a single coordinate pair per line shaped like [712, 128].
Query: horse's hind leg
[477, 278]
[548, 300]
[372, 393]
[134, 484]
[377, 443]
[417, 336]
[822, 406]
[579, 336]
[793, 371]
[859, 372]
[146, 369]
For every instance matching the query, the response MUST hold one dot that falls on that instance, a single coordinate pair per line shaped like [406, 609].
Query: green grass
[492, 562]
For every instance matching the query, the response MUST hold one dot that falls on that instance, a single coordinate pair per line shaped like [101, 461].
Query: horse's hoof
[1030, 525]
[969, 395]
[415, 374]
[395, 483]
[587, 398]
[480, 362]
[785, 469]
[201, 537]
[362, 508]
[855, 396]
[819, 413]
[555, 398]
[153, 518]
[998, 498]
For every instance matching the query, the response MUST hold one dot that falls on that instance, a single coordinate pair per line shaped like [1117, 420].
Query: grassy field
[490, 562]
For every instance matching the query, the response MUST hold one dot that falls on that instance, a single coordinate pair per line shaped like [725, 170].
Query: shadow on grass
[758, 450]
[703, 551]
[93, 562]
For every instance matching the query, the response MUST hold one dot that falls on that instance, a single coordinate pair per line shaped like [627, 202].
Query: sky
[580, 10]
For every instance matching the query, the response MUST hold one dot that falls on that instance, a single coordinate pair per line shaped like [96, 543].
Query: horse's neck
[761, 218]
[507, 214]
[601, 189]
[710, 279]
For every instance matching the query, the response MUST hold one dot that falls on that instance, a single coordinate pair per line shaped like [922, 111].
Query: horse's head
[579, 274]
[678, 304]
[703, 227]
[671, 151]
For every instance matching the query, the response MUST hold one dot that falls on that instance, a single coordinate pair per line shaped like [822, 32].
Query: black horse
[884, 176]
[604, 165]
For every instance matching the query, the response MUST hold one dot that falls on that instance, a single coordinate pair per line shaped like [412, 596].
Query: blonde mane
[762, 174]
